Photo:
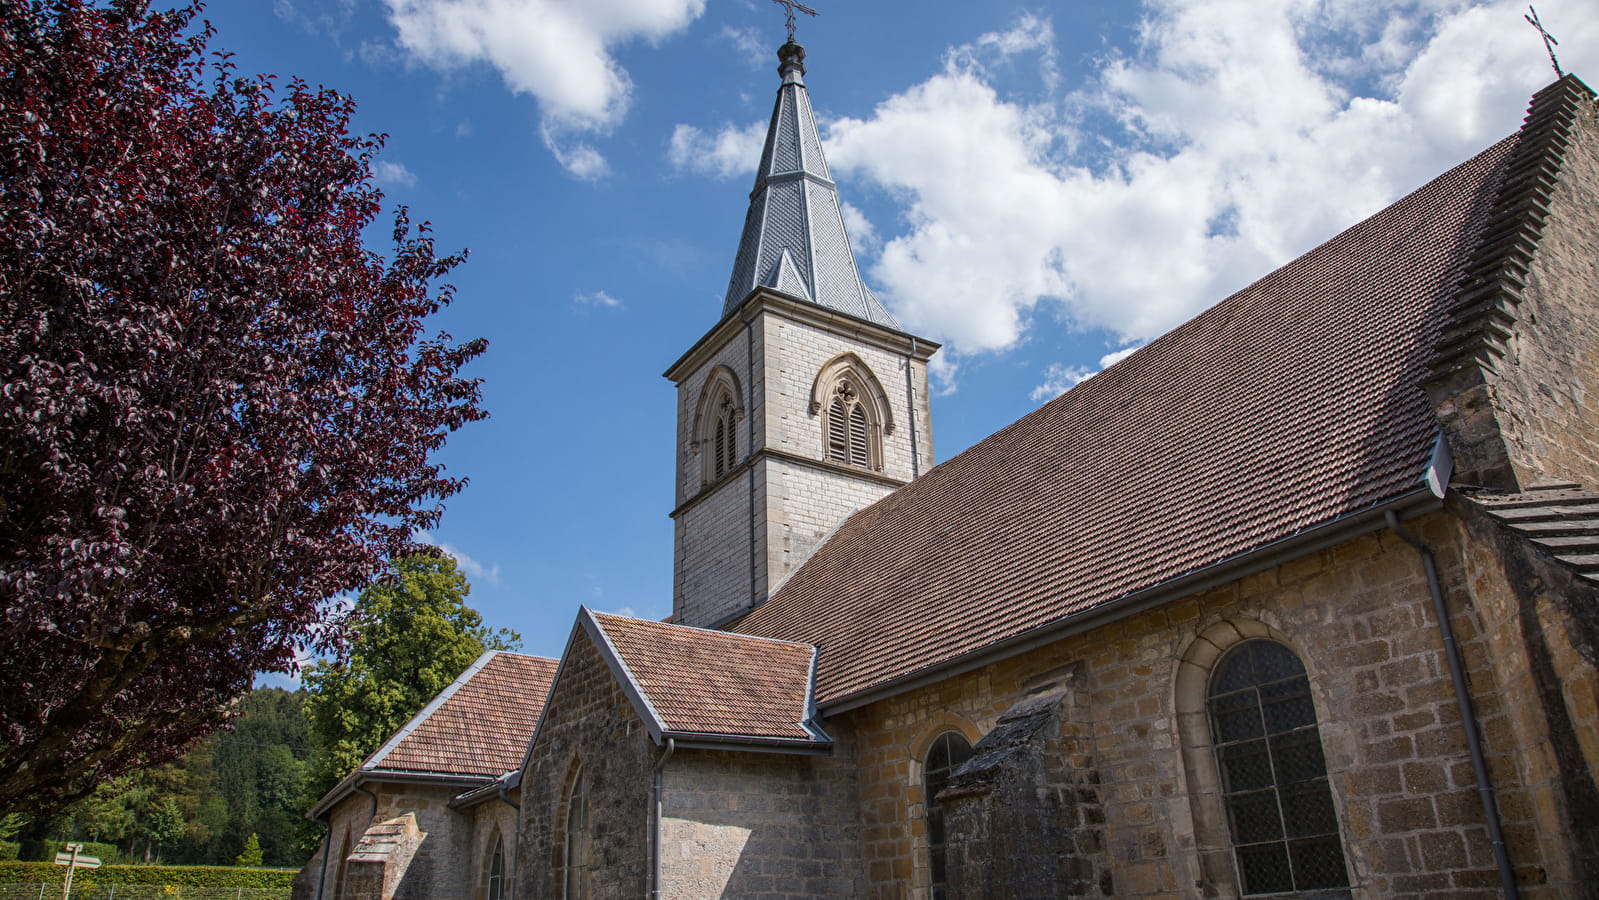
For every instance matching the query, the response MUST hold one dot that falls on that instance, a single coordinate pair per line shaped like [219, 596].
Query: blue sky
[1039, 187]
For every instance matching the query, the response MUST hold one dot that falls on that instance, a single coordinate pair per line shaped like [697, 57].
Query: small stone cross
[1549, 42]
[790, 6]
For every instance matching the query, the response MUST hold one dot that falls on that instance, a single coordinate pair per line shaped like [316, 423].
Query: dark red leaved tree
[217, 409]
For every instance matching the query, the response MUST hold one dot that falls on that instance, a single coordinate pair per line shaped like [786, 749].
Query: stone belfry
[804, 403]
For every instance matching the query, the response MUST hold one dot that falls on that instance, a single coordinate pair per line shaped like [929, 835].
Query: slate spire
[794, 239]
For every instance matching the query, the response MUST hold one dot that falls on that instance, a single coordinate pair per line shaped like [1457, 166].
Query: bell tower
[806, 402]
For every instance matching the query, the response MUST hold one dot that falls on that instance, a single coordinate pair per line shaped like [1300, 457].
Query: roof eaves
[1409, 504]
[432, 707]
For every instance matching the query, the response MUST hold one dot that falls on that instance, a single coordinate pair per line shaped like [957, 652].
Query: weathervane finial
[1549, 42]
[790, 6]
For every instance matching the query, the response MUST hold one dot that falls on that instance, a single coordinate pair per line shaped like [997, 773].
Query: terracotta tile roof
[1290, 404]
[479, 726]
[700, 682]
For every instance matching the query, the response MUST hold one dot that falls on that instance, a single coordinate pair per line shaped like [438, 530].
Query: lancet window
[948, 751]
[578, 852]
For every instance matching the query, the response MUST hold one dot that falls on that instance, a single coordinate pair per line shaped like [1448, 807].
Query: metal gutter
[1334, 531]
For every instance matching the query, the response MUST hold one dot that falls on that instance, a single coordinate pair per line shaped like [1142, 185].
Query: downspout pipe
[910, 407]
[1468, 718]
[655, 815]
[516, 836]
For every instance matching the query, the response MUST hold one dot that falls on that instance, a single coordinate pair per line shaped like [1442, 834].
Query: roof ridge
[1477, 322]
[716, 631]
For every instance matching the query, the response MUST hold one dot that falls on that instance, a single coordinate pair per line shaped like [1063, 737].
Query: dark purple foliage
[217, 409]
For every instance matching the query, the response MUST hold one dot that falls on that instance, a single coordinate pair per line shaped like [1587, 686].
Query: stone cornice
[766, 300]
[822, 465]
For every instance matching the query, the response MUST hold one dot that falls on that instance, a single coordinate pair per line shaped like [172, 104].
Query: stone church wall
[757, 825]
[430, 873]
[587, 711]
[1541, 626]
[1547, 390]
[488, 820]
[1359, 615]
[794, 354]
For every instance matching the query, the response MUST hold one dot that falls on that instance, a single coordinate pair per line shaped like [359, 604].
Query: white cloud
[1241, 134]
[1059, 377]
[597, 299]
[729, 152]
[863, 237]
[557, 51]
[392, 174]
[751, 45]
[472, 568]
[626, 612]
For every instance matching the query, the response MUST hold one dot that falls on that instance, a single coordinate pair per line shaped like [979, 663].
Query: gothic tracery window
[1273, 775]
[716, 426]
[854, 413]
[948, 751]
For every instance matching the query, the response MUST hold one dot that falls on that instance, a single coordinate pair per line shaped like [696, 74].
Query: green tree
[414, 635]
[252, 852]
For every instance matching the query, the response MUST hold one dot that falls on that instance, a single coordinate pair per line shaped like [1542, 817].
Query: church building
[1298, 600]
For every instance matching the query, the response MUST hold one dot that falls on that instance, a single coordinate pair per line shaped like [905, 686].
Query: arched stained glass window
[949, 750]
[1273, 775]
[497, 871]
[578, 856]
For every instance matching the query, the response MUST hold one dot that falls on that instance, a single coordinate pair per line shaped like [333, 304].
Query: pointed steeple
[794, 239]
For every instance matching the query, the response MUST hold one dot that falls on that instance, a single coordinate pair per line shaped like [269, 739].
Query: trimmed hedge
[185, 876]
[9, 850]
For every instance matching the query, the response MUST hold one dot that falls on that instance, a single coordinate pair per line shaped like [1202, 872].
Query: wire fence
[51, 890]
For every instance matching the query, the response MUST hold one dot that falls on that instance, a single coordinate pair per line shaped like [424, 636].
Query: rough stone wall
[489, 819]
[1547, 389]
[588, 722]
[432, 869]
[1024, 813]
[1360, 617]
[758, 825]
[1541, 627]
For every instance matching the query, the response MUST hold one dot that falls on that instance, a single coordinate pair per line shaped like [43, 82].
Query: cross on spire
[789, 6]
[1549, 42]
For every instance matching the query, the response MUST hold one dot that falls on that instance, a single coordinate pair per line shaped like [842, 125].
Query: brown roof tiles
[1288, 405]
[712, 683]
[479, 726]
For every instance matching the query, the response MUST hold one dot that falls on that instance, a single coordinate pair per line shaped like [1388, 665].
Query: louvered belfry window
[1273, 775]
[847, 431]
[725, 444]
